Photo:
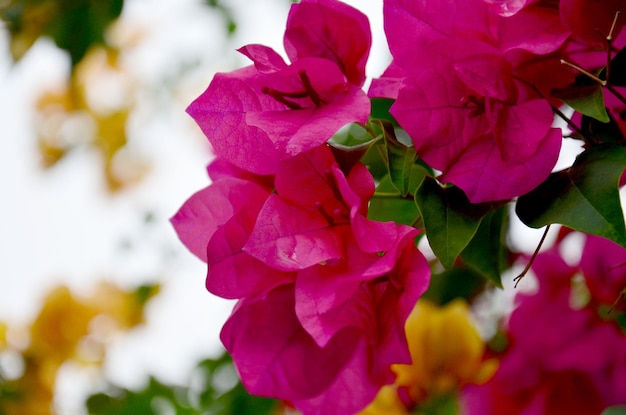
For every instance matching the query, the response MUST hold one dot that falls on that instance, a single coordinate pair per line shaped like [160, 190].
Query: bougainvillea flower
[258, 115]
[323, 290]
[471, 110]
[560, 360]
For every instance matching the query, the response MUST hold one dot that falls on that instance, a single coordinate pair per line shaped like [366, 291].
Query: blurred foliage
[226, 13]
[213, 390]
[74, 25]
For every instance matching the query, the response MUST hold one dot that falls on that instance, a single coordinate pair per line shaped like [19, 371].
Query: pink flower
[258, 115]
[603, 264]
[324, 292]
[560, 360]
[466, 98]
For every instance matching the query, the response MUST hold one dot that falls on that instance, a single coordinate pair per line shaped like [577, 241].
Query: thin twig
[584, 72]
[532, 259]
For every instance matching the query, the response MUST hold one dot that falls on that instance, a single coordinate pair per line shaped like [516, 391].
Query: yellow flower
[92, 109]
[66, 329]
[124, 308]
[61, 324]
[447, 353]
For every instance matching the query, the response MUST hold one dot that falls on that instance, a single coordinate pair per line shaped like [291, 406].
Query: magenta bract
[467, 97]
[256, 116]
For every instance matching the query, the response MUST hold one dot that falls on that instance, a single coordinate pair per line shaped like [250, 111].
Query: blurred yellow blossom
[447, 353]
[125, 308]
[64, 330]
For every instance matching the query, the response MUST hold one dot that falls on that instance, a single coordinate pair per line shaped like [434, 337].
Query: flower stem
[569, 122]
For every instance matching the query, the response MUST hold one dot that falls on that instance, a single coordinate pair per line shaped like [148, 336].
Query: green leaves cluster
[213, 390]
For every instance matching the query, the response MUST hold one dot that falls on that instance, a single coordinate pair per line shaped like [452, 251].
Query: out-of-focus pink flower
[258, 115]
[560, 360]
[467, 98]
[603, 264]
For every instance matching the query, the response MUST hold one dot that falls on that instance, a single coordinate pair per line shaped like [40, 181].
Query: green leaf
[584, 197]
[402, 210]
[600, 132]
[451, 221]
[238, 401]
[145, 402]
[615, 410]
[400, 157]
[351, 136]
[486, 253]
[591, 105]
[380, 109]
[457, 282]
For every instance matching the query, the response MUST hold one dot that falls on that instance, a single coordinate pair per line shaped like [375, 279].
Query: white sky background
[60, 226]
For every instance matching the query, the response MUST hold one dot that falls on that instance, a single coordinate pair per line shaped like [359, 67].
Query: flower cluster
[318, 191]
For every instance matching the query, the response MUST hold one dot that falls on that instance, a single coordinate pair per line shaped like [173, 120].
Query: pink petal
[313, 171]
[353, 388]
[388, 84]
[535, 29]
[485, 176]
[265, 59]
[521, 128]
[233, 273]
[274, 356]
[221, 114]
[487, 75]
[205, 211]
[299, 130]
[331, 30]
[289, 237]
